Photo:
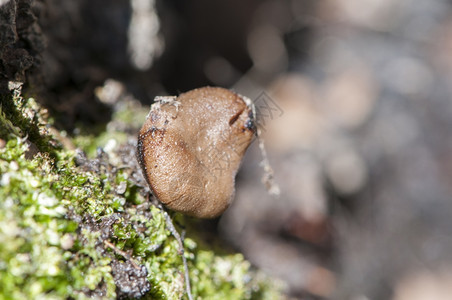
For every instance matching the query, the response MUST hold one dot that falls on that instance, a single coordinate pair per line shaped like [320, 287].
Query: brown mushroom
[190, 149]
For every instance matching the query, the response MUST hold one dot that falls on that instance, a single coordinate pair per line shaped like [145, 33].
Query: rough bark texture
[21, 42]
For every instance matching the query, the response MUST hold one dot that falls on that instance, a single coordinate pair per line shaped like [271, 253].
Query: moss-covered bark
[75, 227]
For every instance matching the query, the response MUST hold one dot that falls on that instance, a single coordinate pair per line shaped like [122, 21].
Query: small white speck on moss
[111, 145]
[14, 166]
[46, 200]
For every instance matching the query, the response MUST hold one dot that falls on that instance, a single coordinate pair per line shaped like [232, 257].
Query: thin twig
[267, 179]
[124, 254]
[172, 229]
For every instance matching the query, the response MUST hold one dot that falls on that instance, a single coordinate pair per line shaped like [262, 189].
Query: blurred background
[355, 103]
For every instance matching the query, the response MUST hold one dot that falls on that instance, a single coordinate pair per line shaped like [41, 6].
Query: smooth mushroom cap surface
[190, 149]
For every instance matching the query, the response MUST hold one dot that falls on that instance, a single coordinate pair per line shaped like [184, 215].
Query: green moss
[130, 114]
[90, 143]
[32, 226]
[58, 222]
[91, 269]
[128, 117]
[28, 119]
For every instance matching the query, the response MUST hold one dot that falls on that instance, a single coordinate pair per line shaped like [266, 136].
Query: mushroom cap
[190, 149]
